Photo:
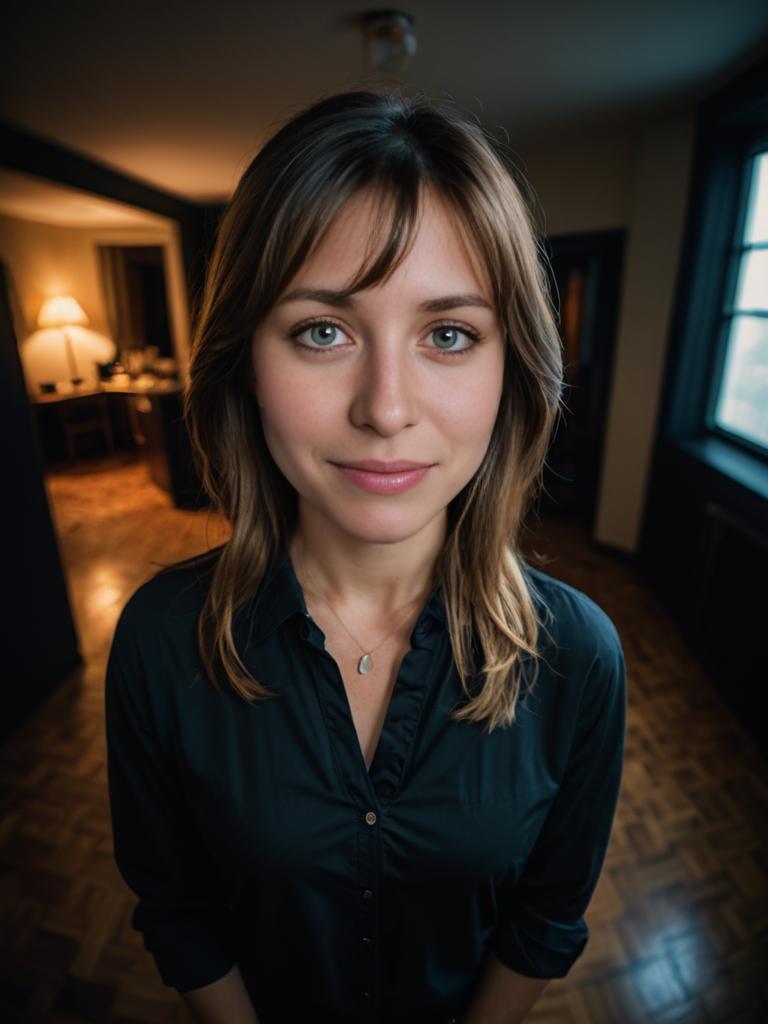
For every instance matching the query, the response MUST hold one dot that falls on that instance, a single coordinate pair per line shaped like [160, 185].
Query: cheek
[467, 414]
[295, 412]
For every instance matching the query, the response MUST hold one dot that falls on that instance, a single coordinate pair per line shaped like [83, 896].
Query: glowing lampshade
[64, 311]
[61, 311]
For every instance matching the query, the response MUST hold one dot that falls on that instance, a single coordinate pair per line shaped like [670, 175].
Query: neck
[369, 579]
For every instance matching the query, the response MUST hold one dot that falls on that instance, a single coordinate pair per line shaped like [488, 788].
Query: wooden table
[156, 429]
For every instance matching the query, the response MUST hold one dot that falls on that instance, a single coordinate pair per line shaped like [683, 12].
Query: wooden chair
[87, 416]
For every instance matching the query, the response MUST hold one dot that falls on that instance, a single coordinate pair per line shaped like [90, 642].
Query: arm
[225, 1001]
[541, 929]
[183, 908]
[503, 996]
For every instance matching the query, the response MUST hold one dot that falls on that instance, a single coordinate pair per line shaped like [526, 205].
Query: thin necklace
[365, 664]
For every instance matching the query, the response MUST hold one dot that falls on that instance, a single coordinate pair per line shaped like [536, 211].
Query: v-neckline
[378, 706]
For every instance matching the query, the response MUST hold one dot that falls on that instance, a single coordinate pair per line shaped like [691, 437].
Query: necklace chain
[365, 664]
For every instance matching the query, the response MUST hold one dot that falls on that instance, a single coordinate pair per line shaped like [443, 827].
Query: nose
[385, 393]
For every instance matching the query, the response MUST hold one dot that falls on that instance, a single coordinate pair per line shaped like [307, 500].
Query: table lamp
[64, 311]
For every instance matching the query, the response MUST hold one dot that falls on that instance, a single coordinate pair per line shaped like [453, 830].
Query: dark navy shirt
[254, 833]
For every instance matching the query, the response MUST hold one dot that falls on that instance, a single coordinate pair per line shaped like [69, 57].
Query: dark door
[587, 272]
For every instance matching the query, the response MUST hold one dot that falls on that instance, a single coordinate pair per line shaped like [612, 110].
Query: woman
[363, 758]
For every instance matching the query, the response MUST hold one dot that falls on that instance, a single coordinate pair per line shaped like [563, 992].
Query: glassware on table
[151, 353]
[132, 360]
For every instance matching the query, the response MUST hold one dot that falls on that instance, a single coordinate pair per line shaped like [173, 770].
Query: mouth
[376, 466]
[393, 481]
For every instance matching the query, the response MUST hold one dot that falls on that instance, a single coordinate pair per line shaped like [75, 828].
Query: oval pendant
[365, 664]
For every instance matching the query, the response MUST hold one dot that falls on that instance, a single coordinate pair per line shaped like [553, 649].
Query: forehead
[440, 246]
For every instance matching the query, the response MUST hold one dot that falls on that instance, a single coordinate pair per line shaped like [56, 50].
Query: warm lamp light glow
[61, 311]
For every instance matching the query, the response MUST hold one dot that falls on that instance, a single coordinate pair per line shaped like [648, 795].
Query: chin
[387, 526]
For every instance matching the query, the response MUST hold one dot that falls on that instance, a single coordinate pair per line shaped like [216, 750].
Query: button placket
[369, 918]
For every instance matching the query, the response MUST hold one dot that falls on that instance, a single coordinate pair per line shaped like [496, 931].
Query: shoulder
[574, 613]
[166, 605]
[581, 639]
[154, 652]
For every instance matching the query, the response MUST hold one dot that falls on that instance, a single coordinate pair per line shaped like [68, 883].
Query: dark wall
[40, 643]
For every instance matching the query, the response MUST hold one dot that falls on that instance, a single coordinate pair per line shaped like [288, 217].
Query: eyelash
[325, 322]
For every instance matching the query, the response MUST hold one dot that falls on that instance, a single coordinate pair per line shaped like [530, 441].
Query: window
[739, 401]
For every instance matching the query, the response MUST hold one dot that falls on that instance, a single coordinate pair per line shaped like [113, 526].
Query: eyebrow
[333, 298]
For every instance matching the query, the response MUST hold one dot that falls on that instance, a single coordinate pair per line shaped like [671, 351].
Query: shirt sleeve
[183, 920]
[541, 931]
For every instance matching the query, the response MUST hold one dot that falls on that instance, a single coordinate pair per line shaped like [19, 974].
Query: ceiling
[33, 198]
[181, 95]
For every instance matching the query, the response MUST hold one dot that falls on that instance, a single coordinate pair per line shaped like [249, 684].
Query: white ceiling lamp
[389, 42]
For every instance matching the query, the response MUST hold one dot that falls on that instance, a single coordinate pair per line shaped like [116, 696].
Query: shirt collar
[279, 597]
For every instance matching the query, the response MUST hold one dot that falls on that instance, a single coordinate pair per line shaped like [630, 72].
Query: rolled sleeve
[541, 931]
[181, 911]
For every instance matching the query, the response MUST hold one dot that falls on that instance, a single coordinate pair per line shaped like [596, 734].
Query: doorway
[586, 274]
[135, 295]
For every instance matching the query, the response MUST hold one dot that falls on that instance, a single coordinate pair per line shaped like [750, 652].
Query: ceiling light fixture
[389, 42]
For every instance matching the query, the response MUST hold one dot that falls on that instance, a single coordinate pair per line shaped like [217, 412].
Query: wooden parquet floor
[679, 921]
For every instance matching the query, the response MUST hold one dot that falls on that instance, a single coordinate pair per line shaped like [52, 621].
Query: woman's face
[387, 380]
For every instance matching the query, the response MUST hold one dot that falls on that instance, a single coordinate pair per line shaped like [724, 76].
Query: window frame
[729, 125]
[723, 328]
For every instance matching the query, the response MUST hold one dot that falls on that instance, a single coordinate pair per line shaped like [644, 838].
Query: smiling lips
[376, 466]
[384, 477]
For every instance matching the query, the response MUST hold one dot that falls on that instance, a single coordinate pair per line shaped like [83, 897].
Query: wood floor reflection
[679, 922]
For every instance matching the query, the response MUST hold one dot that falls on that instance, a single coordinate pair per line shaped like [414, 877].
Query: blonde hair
[286, 200]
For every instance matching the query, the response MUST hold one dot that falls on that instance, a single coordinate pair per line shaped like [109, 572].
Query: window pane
[742, 405]
[757, 212]
[752, 289]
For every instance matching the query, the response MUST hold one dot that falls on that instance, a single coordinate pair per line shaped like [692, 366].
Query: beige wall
[636, 179]
[659, 196]
[48, 259]
[583, 184]
[43, 260]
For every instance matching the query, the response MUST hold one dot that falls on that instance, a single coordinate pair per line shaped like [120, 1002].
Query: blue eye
[325, 337]
[453, 328]
[323, 329]
[324, 340]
